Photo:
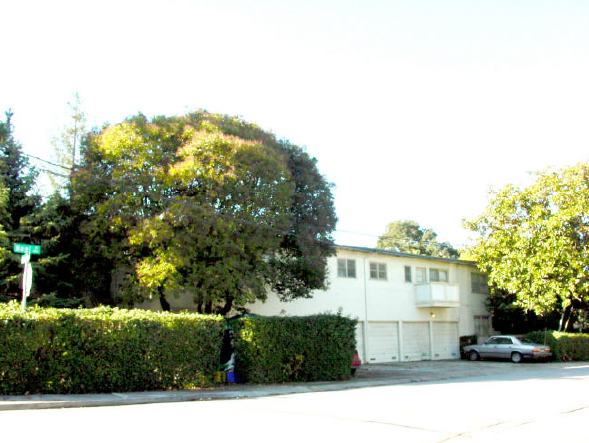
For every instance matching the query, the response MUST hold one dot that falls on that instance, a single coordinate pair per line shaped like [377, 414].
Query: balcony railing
[437, 295]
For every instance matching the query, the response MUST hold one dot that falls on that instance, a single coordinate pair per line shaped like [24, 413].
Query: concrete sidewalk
[367, 376]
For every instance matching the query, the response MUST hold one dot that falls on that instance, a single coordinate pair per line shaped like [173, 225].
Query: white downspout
[365, 313]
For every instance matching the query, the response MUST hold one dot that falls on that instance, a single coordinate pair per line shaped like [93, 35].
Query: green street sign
[23, 248]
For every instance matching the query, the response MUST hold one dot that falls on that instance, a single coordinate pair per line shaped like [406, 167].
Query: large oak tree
[207, 205]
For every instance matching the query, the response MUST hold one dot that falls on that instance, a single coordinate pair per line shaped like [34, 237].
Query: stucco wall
[392, 299]
[373, 300]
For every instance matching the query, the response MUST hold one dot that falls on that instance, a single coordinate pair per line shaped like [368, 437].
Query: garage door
[446, 344]
[416, 345]
[383, 342]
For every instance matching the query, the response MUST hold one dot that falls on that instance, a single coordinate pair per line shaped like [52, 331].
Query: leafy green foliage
[571, 346]
[286, 349]
[509, 318]
[105, 350]
[408, 236]
[206, 204]
[534, 242]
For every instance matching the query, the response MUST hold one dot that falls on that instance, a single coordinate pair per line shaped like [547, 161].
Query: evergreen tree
[55, 227]
[21, 200]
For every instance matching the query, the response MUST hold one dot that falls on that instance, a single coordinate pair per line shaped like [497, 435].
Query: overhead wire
[211, 212]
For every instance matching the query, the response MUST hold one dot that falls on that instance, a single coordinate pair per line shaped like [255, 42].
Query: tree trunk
[566, 324]
[564, 320]
[163, 302]
[227, 306]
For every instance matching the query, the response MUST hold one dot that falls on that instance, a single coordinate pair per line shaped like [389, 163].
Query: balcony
[437, 295]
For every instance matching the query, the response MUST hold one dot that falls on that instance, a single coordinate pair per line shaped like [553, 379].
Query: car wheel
[473, 356]
[516, 357]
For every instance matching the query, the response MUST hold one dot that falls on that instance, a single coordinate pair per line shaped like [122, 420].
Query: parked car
[508, 347]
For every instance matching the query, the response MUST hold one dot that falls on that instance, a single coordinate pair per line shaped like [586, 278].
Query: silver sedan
[508, 347]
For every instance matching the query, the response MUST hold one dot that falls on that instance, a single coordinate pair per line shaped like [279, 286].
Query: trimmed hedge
[294, 349]
[572, 346]
[47, 350]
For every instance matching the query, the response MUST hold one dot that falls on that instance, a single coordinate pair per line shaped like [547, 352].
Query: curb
[49, 401]
[369, 376]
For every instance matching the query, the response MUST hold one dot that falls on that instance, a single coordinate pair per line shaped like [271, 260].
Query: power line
[121, 183]
[48, 162]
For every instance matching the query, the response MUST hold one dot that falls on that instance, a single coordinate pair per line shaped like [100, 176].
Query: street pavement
[367, 376]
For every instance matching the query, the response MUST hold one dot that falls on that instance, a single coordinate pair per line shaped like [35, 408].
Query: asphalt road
[539, 403]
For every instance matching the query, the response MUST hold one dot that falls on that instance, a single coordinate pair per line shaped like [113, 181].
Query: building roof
[404, 254]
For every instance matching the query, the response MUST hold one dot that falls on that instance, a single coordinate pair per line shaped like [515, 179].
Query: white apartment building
[409, 307]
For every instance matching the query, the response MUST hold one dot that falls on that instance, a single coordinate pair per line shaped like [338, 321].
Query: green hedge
[294, 349]
[48, 350]
[575, 346]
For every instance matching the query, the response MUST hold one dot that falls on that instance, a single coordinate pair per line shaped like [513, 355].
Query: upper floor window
[420, 275]
[479, 283]
[408, 274]
[346, 268]
[378, 271]
[438, 275]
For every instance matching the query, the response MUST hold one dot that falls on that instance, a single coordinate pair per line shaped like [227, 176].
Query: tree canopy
[533, 242]
[204, 204]
[408, 236]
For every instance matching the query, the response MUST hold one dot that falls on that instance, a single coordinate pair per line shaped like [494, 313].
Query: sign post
[27, 274]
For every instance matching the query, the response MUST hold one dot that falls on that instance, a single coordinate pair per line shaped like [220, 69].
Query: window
[482, 325]
[408, 274]
[438, 275]
[378, 271]
[420, 276]
[346, 268]
[479, 283]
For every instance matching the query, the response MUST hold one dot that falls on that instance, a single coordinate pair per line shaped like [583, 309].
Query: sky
[413, 109]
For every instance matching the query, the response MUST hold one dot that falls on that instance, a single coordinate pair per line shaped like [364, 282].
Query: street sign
[23, 248]
[27, 276]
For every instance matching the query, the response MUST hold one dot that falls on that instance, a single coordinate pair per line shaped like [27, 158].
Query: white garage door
[383, 342]
[446, 344]
[416, 341]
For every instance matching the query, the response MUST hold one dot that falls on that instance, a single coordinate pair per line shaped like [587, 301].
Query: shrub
[289, 349]
[47, 350]
[574, 346]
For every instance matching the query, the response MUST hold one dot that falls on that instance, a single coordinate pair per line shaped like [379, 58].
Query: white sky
[413, 108]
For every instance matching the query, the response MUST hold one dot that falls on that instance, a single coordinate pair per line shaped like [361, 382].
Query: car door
[489, 349]
[503, 348]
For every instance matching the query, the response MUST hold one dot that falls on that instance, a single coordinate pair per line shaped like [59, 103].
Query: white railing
[437, 295]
